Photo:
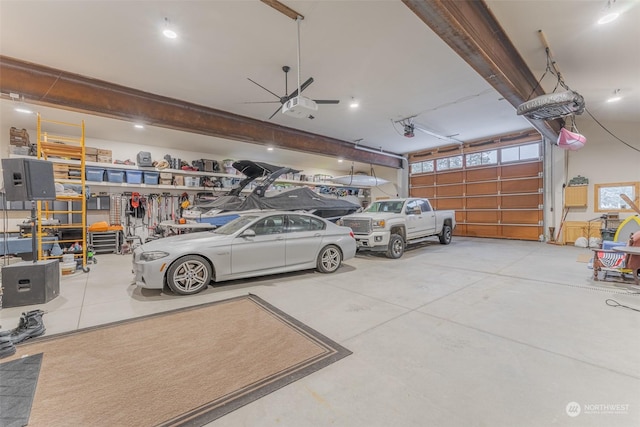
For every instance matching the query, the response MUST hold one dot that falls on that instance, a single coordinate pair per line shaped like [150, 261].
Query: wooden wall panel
[481, 188]
[484, 174]
[531, 185]
[486, 202]
[527, 201]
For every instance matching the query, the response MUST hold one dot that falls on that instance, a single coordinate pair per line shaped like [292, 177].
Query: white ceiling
[378, 52]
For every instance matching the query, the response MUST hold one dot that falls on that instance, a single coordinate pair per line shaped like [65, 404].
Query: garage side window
[608, 196]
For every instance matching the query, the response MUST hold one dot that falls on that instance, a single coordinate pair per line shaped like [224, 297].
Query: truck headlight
[379, 224]
[153, 255]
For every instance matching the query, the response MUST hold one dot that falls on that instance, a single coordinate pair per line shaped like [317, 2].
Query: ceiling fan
[294, 104]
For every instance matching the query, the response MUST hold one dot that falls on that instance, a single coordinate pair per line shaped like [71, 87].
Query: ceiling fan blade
[258, 84]
[261, 102]
[303, 86]
[274, 113]
[326, 101]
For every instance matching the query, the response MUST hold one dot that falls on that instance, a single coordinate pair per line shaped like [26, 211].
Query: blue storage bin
[151, 177]
[115, 175]
[94, 174]
[134, 177]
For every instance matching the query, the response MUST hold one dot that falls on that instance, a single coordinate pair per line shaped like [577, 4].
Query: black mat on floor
[18, 380]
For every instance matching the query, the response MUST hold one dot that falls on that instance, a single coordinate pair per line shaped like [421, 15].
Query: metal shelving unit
[61, 142]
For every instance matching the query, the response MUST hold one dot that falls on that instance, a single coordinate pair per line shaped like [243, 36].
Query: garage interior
[504, 326]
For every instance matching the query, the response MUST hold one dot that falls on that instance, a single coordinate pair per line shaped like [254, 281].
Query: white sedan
[255, 244]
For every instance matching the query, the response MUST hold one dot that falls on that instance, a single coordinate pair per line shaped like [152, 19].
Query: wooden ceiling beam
[472, 31]
[42, 85]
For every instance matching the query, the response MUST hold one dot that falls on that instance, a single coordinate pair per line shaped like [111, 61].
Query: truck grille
[359, 226]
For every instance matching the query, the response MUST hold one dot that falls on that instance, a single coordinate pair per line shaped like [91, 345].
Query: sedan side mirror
[249, 232]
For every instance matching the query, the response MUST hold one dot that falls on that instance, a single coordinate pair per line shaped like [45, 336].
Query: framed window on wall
[607, 196]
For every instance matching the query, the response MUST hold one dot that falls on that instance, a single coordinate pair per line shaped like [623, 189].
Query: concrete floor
[478, 333]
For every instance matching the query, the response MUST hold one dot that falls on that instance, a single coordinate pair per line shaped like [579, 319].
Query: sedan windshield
[235, 225]
[385, 206]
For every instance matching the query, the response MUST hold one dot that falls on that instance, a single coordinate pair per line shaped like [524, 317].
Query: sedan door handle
[280, 238]
[317, 235]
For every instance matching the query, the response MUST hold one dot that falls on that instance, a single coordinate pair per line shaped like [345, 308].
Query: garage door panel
[521, 170]
[521, 201]
[518, 232]
[453, 203]
[449, 177]
[428, 192]
[418, 180]
[450, 190]
[482, 188]
[531, 185]
[521, 217]
[475, 230]
[486, 202]
[489, 217]
[484, 174]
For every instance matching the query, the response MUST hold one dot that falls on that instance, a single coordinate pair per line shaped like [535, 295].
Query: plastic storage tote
[115, 175]
[151, 177]
[134, 177]
[94, 174]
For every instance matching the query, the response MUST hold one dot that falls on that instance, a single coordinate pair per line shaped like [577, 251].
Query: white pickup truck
[389, 225]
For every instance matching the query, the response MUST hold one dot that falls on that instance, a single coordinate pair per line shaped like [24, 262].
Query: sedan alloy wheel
[329, 259]
[189, 275]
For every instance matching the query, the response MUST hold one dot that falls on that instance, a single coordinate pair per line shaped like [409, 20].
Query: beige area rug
[184, 367]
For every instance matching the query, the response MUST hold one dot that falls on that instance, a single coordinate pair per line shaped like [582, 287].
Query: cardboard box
[166, 181]
[91, 151]
[103, 152]
[178, 180]
[90, 158]
[166, 175]
[104, 159]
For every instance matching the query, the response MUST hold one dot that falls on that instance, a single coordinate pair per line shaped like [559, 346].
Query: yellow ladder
[63, 144]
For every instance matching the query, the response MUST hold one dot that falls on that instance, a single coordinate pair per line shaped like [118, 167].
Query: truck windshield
[385, 206]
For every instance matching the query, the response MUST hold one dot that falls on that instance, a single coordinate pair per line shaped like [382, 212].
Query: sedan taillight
[352, 235]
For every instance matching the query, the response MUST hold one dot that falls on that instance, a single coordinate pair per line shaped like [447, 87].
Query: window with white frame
[520, 153]
[454, 162]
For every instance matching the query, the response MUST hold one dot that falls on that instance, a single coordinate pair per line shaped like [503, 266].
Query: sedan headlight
[153, 255]
[379, 224]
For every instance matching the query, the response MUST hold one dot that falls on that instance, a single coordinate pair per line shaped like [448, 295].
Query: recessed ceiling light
[168, 32]
[354, 103]
[138, 126]
[340, 160]
[23, 110]
[609, 17]
[269, 148]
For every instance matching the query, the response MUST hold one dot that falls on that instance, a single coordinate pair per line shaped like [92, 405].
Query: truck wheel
[445, 235]
[396, 247]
